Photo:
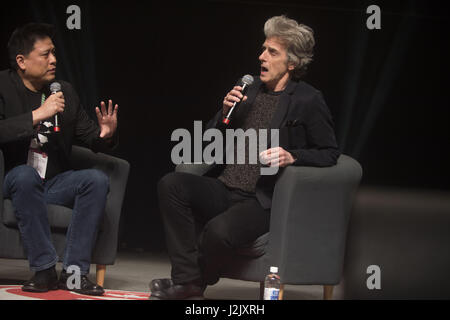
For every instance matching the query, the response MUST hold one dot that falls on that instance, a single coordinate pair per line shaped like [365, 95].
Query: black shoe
[86, 286]
[189, 291]
[42, 281]
[160, 284]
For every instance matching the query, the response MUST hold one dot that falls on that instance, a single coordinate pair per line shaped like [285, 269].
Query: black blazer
[306, 130]
[16, 124]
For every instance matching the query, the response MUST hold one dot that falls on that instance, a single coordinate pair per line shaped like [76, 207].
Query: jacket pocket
[297, 136]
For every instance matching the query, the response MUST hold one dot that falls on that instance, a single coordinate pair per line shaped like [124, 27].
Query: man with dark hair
[37, 159]
[230, 207]
[22, 40]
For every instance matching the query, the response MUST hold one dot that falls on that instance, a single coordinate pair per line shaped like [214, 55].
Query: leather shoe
[42, 281]
[86, 286]
[160, 284]
[189, 291]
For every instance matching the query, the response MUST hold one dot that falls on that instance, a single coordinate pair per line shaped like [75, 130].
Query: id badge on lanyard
[36, 157]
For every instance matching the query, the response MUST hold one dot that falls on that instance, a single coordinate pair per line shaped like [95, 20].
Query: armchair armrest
[117, 171]
[309, 217]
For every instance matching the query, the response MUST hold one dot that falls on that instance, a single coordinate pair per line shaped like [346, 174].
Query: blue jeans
[84, 191]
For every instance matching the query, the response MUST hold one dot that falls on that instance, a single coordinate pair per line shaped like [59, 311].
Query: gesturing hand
[107, 119]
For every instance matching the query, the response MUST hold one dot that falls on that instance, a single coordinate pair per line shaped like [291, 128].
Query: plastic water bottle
[272, 285]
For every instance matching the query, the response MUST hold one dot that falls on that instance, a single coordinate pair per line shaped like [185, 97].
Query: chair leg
[261, 290]
[101, 270]
[328, 292]
[281, 294]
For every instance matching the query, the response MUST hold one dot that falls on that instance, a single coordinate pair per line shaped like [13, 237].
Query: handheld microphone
[54, 88]
[247, 81]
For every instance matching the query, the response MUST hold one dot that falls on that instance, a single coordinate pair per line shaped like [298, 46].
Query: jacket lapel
[23, 106]
[283, 105]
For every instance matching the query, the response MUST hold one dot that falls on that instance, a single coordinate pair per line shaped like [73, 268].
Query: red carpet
[14, 292]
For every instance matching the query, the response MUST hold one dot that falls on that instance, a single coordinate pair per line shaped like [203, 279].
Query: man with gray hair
[230, 206]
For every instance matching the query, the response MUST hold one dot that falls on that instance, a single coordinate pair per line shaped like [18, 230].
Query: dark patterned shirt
[245, 176]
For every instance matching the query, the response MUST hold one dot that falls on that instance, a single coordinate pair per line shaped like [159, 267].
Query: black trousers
[204, 222]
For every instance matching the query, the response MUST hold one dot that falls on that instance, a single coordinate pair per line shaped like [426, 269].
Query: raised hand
[107, 119]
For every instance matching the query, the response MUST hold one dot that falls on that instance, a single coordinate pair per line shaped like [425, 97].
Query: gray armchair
[309, 218]
[59, 217]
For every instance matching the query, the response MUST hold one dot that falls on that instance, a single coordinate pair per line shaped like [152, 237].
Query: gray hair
[298, 39]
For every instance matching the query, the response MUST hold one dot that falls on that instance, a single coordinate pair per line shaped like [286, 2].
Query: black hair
[23, 39]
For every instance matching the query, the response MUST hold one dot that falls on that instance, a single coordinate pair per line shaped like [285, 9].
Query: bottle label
[271, 293]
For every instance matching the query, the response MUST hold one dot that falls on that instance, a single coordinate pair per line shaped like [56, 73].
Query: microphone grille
[247, 79]
[55, 87]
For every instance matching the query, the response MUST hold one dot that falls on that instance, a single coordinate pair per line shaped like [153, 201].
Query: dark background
[167, 65]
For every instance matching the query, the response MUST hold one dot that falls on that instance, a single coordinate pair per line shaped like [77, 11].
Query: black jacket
[16, 124]
[306, 130]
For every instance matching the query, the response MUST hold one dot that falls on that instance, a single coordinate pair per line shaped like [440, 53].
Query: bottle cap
[274, 269]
